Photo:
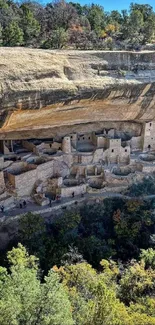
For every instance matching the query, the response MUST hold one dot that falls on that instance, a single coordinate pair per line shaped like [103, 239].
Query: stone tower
[149, 136]
[66, 144]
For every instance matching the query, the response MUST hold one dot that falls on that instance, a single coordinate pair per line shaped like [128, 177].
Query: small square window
[126, 150]
[112, 150]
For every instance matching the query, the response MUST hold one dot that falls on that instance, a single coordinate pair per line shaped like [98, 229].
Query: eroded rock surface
[43, 90]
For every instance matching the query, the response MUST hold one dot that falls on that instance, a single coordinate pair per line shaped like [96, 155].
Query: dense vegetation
[93, 265]
[77, 294]
[115, 229]
[145, 187]
[69, 25]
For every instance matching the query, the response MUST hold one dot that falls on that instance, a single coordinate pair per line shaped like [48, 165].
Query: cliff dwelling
[78, 163]
[71, 137]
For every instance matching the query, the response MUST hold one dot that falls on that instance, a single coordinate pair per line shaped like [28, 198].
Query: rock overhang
[47, 91]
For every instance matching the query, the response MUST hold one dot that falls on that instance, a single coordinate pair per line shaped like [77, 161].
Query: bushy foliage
[76, 294]
[145, 187]
[60, 24]
[115, 228]
[24, 299]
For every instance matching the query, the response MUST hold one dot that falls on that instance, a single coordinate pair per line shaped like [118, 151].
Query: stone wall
[60, 168]
[17, 167]
[73, 137]
[148, 169]
[90, 170]
[1, 162]
[24, 183]
[78, 170]
[45, 170]
[149, 136]
[56, 145]
[30, 146]
[2, 182]
[86, 159]
[98, 155]
[6, 150]
[66, 144]
[67, 191]
[102, 142]
[11, 179]
[68, 159]
[136, 143]
[53, 184]
[117, 154]
[85, 138]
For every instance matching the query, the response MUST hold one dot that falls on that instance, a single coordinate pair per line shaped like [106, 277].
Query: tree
[33, 235]
[149, 28]
[57, 39]
[31, 227]
[1, 35]
[96, 18]
[148, 256]
[12, 35]
[72, 256]
[114, 17]
[31, 231]
[136, 282]
[29, 24]
[93, 302]
[9, 12]
[143, 19]
[59, 14]
[25, 300]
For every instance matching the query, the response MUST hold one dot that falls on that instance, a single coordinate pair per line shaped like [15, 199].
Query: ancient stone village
[74, 126]
[77, 162]
[52, 169]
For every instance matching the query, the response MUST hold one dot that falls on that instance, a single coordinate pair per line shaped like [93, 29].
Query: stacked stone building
[77, 163]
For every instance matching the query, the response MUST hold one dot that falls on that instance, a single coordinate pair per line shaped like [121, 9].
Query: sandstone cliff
[43, 90]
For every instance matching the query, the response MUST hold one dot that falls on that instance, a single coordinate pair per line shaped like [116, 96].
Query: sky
[112, 4]
[116, 4]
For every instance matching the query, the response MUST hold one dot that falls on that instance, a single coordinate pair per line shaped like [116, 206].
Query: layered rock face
[44, 93]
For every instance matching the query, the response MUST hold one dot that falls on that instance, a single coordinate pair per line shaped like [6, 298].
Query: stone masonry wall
[45, 170]
[136, 143]
[149, 136]
[67, 191]
[148, 169]
[2, 182]
[101, 142]
[24, 183]
[1, 162]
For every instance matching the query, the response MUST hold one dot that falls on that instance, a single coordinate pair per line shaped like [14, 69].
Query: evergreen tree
[24, 300]
[12, 35]
[29, 24]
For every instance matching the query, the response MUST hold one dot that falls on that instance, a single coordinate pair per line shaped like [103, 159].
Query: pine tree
[30, 25]
[12, 35]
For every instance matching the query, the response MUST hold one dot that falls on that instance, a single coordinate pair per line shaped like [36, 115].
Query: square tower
[149, 136]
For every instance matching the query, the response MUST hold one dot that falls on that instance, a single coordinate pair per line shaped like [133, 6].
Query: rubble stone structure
[75, 164]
